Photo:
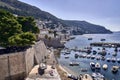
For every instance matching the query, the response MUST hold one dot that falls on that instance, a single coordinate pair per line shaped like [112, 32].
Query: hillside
[23, 9]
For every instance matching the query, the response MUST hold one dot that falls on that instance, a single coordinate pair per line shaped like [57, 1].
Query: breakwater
[105, 44]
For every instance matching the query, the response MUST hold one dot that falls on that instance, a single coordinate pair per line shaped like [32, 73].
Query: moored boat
[94, 52]
[118, 60]
[92, 57]
[108, 59]
[76, 55]
[97, 66]
[113, 59]
[74, 64]
[90, 38]
[115, 69]
[88, 56]
[103, 39]
[66, 57]
[98, 57]
[105, 66]
[92, 65]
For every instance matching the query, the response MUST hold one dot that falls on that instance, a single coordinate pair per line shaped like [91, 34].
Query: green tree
[23, 39]
[8, 27]
[28, 24]
[12, 32]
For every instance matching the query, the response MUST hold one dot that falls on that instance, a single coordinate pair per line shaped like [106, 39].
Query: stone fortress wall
[16, 66]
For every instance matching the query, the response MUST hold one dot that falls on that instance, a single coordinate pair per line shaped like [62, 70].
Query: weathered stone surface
[15, 66]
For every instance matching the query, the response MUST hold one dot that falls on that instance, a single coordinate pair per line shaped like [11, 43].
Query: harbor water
[80, 42]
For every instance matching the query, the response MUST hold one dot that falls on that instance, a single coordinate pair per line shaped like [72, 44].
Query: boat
[92, 65]
[105, 66]
[97, 76]
[115, 69]
[108, 59]
[114, 54]
[94, 52]
[103, 39]
[66, 57]
[92, 57]
[66, 53]
[84, 55]
[72, 77]
[88, 56]
[76, 55]
[88, 51]
[103, 58]
[90, 38]
[97, 66]
[118, 60]
[80, 56]
[113, 59]
[74, 64]
[98, 58]
[84, 69]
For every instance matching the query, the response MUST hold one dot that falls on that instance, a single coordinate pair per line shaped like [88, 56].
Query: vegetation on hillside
[16, 31]
[23, 9]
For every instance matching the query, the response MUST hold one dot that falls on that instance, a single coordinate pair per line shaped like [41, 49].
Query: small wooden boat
[115, 69]
[105, 66]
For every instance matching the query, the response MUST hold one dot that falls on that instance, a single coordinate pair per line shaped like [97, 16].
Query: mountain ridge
[24, 9]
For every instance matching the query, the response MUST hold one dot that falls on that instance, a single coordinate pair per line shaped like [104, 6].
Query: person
[86, 76]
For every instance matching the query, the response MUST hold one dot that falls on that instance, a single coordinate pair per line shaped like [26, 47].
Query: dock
[103, 44]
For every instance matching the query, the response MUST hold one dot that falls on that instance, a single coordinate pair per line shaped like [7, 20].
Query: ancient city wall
[15, 66]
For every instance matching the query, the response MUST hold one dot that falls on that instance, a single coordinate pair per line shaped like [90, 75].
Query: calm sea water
[82, 41]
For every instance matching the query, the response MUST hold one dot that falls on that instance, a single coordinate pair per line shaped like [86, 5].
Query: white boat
[105, 66]
[84, 69]
[113, 59]
[97, 65]
[66, 57]
[93, 57]
[115, 69]
[74, 64]
[97, 76]
[88, 56]
[108, 59]
[98, 57]
[92, 65]
[114, 54]
[118, 60]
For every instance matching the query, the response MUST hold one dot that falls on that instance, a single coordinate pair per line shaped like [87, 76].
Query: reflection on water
[81, 42]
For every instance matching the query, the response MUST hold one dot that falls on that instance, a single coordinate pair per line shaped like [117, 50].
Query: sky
[100, 12]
